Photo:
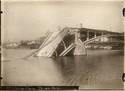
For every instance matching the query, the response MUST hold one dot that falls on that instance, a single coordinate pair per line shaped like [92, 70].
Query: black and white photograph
[63, 43]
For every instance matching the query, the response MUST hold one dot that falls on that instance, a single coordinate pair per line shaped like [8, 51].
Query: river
[100, 69]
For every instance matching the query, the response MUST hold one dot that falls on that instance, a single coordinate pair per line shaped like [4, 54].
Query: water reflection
[32, 71]
[100, 69]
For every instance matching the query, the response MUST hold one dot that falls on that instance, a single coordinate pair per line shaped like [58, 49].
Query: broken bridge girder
[68, 49]
[49, 48]
[52, 42]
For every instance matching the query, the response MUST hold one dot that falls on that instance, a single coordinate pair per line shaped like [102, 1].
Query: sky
[30, 20]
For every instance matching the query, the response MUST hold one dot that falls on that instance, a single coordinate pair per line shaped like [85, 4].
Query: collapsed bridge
[73, 41]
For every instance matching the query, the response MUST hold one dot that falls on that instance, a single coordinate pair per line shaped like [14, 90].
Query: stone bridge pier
[79, 47]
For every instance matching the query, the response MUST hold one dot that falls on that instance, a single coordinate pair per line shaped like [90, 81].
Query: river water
[100, 69]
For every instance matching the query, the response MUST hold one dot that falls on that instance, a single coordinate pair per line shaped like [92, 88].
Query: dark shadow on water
[100, 69]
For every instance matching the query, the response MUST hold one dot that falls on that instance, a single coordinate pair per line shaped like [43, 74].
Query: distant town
[29, 44]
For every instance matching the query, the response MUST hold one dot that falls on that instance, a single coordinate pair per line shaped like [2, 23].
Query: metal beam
[64, 44]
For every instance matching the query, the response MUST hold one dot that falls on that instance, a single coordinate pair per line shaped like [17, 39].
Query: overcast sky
[30, 20]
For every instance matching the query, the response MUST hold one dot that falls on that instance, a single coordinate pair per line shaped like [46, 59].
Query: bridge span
[75, 40]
